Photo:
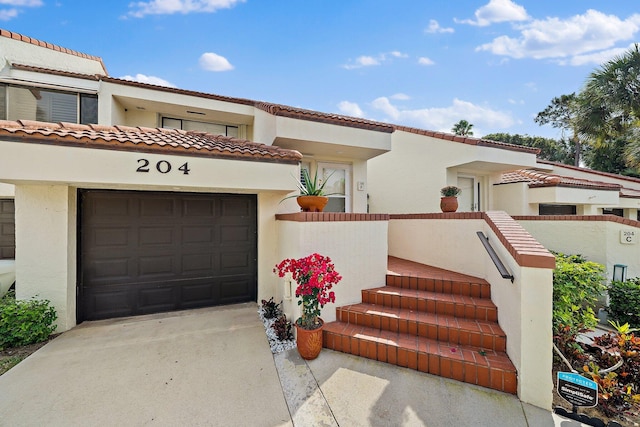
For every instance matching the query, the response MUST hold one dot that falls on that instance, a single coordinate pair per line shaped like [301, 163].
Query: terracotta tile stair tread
[469, 364]
[435, 302]
[446, 328]
[403, 267]
[429, 319]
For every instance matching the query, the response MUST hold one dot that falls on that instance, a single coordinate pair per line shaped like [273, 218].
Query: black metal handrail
[494, 257]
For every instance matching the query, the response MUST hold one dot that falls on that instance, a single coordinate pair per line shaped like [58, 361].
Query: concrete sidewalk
[339, 389]
[213, 367]
[205, 367]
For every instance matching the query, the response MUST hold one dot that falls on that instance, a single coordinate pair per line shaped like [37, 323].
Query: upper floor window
[544, 209]
[45, 105]
[212, 128]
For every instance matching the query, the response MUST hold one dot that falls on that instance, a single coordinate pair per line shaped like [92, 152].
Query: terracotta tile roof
[168, 141]
[468, 140]
[316, 116]
[591, 171]
[20, 37]
[35, 69]
[537, 179]
[629, 193]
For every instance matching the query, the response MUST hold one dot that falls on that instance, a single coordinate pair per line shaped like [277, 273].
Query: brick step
[407, 274]
[432, 302]
[486, 368]
[441, 327]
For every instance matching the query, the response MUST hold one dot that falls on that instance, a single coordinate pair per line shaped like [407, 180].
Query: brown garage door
[7, 229]
[148, 252]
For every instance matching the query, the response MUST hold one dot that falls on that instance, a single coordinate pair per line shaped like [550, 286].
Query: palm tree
[608, 107]
[463, 128]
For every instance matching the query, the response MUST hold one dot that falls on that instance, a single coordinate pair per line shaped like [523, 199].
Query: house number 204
[161, 166]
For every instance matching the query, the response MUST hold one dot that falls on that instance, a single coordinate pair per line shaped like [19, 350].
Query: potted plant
[449, 199]
[315, 275]
[312, 197]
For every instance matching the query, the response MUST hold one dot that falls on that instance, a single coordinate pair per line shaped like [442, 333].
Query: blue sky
[427, 64]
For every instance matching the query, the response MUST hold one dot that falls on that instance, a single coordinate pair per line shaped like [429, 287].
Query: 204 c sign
[161, 166]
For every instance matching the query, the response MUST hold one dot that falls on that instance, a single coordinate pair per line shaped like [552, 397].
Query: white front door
[468, 198]
[338, 186]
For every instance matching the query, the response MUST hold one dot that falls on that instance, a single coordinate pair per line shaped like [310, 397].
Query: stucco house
[120, 198]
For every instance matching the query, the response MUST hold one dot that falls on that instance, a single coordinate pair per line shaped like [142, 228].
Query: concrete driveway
[205, 367]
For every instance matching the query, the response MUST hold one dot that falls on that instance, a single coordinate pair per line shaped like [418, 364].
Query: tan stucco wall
[46, 248]
[598, 241]
[12, 50]
[23, 162]
[408, 179]
[512, 198]
[7, 191]
[358, 250]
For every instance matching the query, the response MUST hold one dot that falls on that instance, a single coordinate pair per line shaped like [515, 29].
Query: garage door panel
[110, 236]
[234, 207]
[7, 229]
[197, 263]
[154, 236]
[198, 208]
[170, 251]
[235, 234]
[200, 234]
[109, 269]
[158, 207]
[234, 290]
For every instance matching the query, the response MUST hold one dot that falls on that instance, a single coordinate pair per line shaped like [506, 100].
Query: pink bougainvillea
[315, 275]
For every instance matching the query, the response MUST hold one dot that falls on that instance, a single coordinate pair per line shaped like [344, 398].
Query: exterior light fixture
[619, 272]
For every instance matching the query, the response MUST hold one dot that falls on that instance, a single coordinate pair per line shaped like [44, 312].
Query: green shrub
[24, 322]
[577, 284]
[624, 302]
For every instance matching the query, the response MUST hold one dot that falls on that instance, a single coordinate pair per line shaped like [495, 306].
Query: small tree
[462, 128]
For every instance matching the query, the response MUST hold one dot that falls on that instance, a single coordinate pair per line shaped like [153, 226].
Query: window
[33, 103]
[212, 128]
[613, 211]
[338, 186]
[556, 209]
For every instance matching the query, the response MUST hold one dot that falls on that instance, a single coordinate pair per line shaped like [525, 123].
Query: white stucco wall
[408, 179]
[20, 52]
[451, 244]
[358, 250]
[512, 198]
[598, 241]
[7, 191]
[46, 248]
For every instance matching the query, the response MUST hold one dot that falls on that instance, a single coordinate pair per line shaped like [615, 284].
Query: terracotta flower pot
[309, 342]
[449, 203]
[312, 203]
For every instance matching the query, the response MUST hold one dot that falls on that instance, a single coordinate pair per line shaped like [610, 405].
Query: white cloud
[582, 37]
[434, 28]
[350, 109]
[8, 14]
[22, 3]
[213, 62]
[370, 61]
[152, 80]
[12, 12]
[440, 119]
[423, 60]
[169, 7]
[596, 57]
[400, 97]
[497, 11]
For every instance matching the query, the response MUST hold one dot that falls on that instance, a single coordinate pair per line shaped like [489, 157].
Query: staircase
[429, 319]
